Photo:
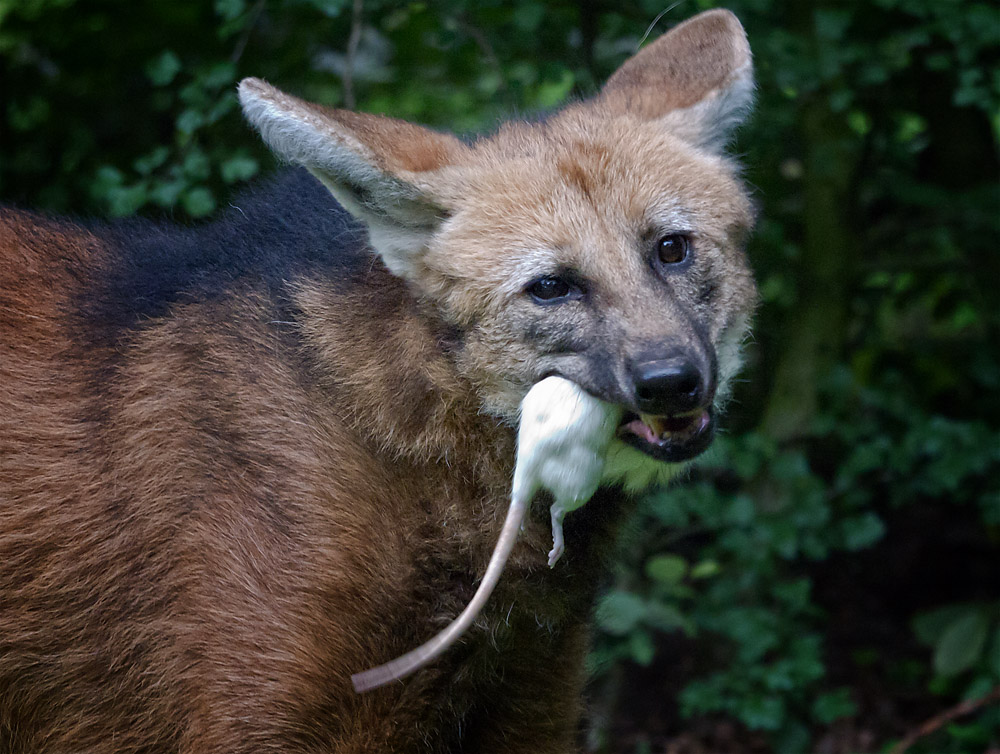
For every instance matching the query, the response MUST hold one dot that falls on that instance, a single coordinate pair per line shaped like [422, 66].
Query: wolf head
[602, 244]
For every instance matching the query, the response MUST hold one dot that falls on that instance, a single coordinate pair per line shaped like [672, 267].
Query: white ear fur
[399, 216]
[711, 123]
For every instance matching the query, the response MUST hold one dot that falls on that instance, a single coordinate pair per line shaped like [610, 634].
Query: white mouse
[561, 447]
[562, 440]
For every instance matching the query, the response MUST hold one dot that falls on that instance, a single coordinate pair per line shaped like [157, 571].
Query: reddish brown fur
[211, 517]
[206, 609]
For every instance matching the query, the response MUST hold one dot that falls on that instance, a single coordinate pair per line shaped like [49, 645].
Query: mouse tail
[427, 652]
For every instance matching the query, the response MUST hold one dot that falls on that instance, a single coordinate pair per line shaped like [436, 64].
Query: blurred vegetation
[830, 577]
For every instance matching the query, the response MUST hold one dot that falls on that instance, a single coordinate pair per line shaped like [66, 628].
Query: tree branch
[241, 43]
[959, 710]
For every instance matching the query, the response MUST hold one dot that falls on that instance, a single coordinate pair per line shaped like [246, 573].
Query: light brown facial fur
[591, 202]
[240, 462]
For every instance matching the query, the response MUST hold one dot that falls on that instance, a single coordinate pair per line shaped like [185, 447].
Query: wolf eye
[673, 248]
[550, 288]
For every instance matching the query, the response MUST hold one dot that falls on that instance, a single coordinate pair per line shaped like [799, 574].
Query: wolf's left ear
[697, 79]
[386, 172]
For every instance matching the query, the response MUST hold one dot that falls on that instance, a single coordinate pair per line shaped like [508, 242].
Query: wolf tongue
[663, 425]
[656, 424]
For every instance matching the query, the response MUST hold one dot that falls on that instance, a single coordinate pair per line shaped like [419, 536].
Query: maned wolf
[241, 461]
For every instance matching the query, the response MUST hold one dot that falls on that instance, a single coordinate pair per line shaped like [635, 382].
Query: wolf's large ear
[697, 79]
[384, 171]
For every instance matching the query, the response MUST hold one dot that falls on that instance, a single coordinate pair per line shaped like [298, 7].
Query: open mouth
[669, 438]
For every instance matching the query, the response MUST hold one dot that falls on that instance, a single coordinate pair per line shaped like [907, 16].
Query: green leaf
[238, 168]
[705, 569]
[106, 178]
[619, 612]
[667, 509]
[196, 165]
[166, 193]
[189, 121]
[979, 688]
[126, 200]
[149, 162]
[763, 712]
[795, 594]
[551, 93]
[195, 95]
[528, 16]
[741, 511]
[974, 736]
[929, 626]
[832, 24]
[859, 122]
[782, 535]
[704, 695]
[229, 9]
[226, 103]
[961, 645]
[833, 706]
[198, 202]
[162, 69]
[666, 569]
[330, 8]
[666, 617]
[910, 126]
[28, 115]
[219, 75]
[641, 648]
[862, 531]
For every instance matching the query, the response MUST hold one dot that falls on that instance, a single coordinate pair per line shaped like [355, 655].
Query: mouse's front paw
[555, 553]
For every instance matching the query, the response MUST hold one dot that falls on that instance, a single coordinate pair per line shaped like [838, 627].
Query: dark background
[829, 578]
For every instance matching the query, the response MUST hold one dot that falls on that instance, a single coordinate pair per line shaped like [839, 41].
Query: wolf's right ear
[697, 79]
[386, 172]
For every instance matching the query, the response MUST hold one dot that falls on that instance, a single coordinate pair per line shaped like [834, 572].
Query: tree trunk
[813, 336]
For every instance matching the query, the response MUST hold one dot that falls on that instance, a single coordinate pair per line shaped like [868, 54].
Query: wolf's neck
[386, 364]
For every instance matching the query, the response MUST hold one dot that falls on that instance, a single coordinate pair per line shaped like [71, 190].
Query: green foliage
[750, 595]
[93, 96]
[965, 638]
[869, 422]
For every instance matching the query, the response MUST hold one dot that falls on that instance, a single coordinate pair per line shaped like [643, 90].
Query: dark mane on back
[285, 228]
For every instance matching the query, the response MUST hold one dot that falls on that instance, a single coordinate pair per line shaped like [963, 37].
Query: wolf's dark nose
[668, 386]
